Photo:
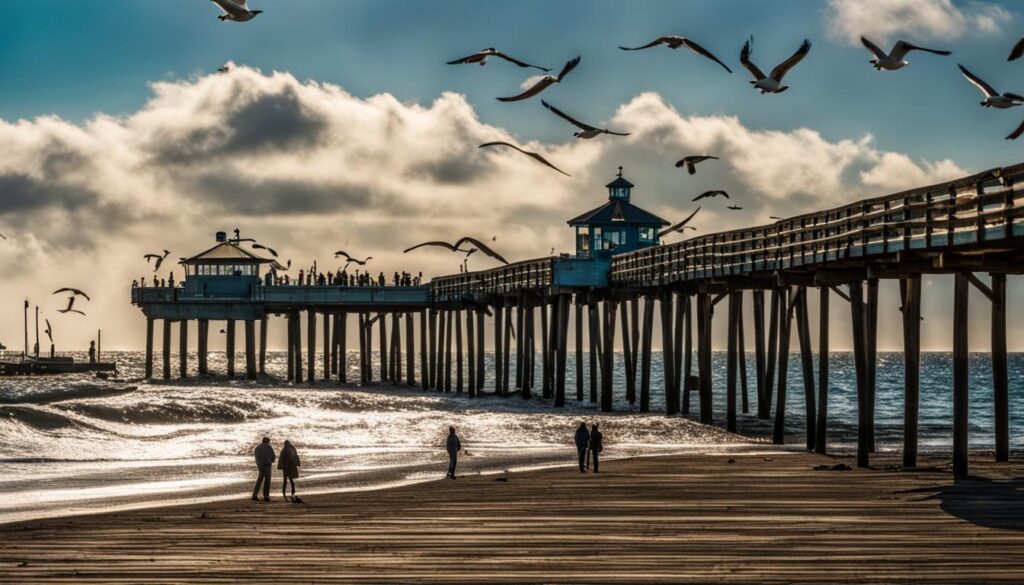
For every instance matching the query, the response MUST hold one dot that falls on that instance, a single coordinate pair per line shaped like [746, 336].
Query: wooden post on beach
[250, 349]
[687, 352]
[667, 354]
[424, 363]
[677, 350]
[499, 330]
[961, 380]
[263, 343]
[290, 331]
[821, 431]
[471, 352]
[458, 350]
[183, 348]
[786, 305]
[382, 348]
[807, 362]
[327, 346]
[361, 326]
[593, 338]
[531, 351]
[627, 354]
[859, 359]
[607, 385]
[396, 348]
[442, 318]
[520, 343]
[741, 348]
[634, 334]
[759, 349]
[410, 350]
[561, 339]
[480, 353]
[166, 348]
[430, 365]
[765, 409]
[506, 361]
[311, 345]
[448, 323]
[545, 342]
[203, 345]
[645, 346]
[149, 348]
[704, 323]
[1000, 379]
[231, 347]
[335, 336]
[579, 348]
[341, 329]
[910, 301]
[731, 366]
[871, 332]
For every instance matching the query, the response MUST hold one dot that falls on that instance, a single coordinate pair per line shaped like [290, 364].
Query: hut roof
[618, 211]
[227, 253]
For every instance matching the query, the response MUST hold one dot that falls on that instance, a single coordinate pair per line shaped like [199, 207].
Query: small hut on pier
[616, 227]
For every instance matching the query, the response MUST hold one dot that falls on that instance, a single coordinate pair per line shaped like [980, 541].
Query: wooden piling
[821, 430]
[634, 334]
[579, 348]
[668, 367]
[203, 346]
[554, 318]
[430, 365]
[645, 347]
[250, 349]
[911, 304]
[731, 365]
[627, 355]
[687, 352]
[499, 331]
[765, 409]
[961, 379]
[311, 345]
[290, 331]
[607, 385]
[361, 326]
[342, 330]
[704, 324]
[480, 353]
[858, 323]
[561, 359]
[263, 344]
[327, 346]
[677, 350]
[807, 363]
[520, 344]
[506, 360]
[470, 352]
[382, 348]
[1000, 378]
[335, 342]
[531, 351]
[741, 348]
[396, 348]
[231, 348]
[779, 428]
[167, 350]
[448, 351]
[458, 351]
[759, 351]
[871, 332]
[545, 342]
[149, 348]
[592, 341]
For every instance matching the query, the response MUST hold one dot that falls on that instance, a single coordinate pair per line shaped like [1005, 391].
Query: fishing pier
[619, 281]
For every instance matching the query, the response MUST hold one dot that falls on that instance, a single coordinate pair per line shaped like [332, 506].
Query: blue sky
[73, 58]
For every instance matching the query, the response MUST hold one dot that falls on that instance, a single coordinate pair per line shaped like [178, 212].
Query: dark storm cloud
[24, 193]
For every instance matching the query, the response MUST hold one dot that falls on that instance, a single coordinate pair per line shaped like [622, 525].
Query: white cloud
[884, 20]
[308, 168]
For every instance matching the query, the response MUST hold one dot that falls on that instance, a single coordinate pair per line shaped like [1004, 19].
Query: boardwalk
[767, 518]
[962, 227]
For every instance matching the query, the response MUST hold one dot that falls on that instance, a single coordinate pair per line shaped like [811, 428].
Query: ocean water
[73, 444]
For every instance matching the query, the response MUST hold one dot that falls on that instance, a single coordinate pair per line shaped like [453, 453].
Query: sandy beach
[765, 517]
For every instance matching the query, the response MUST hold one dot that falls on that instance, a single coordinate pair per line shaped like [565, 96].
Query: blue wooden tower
[617, 226]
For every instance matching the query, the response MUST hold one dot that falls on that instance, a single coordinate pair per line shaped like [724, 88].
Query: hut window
[647, 234]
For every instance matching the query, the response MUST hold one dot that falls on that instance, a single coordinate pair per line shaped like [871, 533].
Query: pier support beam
[677, 351]
[871, 330]
[765, 409]
[704, 319]
[430, 368]
[448, 318]
[860, 359]
[203, 345]
[607, 385]
[645, 347]
[410, 350]
[741, 348]
[593, 341]
[335, 341]
[627, 354]
[506, 345]
[424, 360]
[290, 330]
[561, 341]
[311, 345]
[668, 367]
[961, 379]
[250, 349]
[1000, 379]
[480, 353]
[821, 431]
[471, 352]
[263, 344]
[327, 346]
[149, 348]
[731, 365]
[579, 347]
[363, 348]
[520, 345]
[183, 348]
[382, 324]
[687, 351]
[230, 347]
[167, 350]
[786, 309]
[546, 366]
[341, 331]
[458, 351]
[499, 331]
[807, 363]
[759, 350]
[910, 288]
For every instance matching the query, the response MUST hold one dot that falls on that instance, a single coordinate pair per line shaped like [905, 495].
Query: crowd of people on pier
[589, 445]
[341, 277]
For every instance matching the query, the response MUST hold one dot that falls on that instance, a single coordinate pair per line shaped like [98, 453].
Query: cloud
[884, 20]
[308, 168]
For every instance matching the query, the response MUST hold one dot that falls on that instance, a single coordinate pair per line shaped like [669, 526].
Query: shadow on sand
[986, 502]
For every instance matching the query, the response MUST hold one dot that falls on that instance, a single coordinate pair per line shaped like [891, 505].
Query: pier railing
[512, 278]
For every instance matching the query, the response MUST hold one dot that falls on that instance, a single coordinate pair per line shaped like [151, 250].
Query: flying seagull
[74, 292]
[351, 259]
[532, 155]
[993, 99]
[49, 331]
[690, 162]
[543, 83]
[3, 236]
[586, 130]
[734, 207]
[679, 226]
[480, 58]
[1016, 133]
[457, 247]
[272, 251]
[894, 60]
[708, 194]
[69, 309]
[236, 10]
[1017, 51]
[674, 42]
[223, 69]
[772, 83]
[159, 259]
[775, 217]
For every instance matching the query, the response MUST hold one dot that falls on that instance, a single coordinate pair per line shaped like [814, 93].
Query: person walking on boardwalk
[582, 443]
[288, 463]
[596, 444]
[453, 445]
[265, 457]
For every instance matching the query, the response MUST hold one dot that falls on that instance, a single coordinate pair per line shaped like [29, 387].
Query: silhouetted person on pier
[302, 275]
[289, 466]
[265, 457]
[92, 352]
[382, 280]
[582, 443]
[453, 445]
[596, 444]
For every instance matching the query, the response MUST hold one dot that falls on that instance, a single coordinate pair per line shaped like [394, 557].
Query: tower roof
[226, 252]
[618, 212]
[620, 182]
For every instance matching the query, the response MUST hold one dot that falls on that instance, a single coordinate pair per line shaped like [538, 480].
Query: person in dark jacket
[596, 444]
[265, 457]
[582, 440]
[288, 463]
[453, 445]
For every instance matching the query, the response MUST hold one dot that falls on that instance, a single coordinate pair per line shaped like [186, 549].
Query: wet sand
[766, 518]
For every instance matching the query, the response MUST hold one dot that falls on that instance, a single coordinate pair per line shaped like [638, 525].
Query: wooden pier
[964, 227]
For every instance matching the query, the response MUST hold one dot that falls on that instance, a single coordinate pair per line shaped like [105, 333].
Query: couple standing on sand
[588, 444]
[288, 464]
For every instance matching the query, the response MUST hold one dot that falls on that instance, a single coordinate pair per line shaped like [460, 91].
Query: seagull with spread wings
[49, 331]
[674, 42]
[679, 226]
[543, 83]
[1017, 51]
[709, 194]
[772, 83]
[734, 207]
[586, 130]
[993, 99]
[480, 58]
[236, 10]
[1016, 133]
[690, 162]
[349, 259]
[457, 247]
[74, 292]
[159, 259]
[532, 155]
[70, 308]
[894, 59]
